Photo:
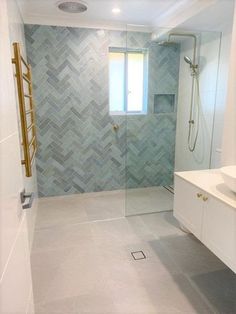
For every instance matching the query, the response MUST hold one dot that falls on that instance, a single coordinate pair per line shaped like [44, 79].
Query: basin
[229, 176]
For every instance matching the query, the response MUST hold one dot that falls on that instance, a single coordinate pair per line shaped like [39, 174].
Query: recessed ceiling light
[116, 10]
[73, 6]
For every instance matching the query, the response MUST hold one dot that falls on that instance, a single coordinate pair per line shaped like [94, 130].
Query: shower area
[177, 131]
[119, 111]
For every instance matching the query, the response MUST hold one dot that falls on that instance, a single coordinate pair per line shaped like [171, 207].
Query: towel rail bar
[27, 143]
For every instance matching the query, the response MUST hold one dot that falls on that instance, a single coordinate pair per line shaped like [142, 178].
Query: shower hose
[194, 117]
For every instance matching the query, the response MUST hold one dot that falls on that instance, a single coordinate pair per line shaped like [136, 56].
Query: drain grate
[138, 255]
[169, 188]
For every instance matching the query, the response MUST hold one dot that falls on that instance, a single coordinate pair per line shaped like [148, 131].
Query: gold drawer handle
[205, 198]
[199, 195]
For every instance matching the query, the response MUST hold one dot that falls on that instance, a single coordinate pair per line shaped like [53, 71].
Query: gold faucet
[115, 127]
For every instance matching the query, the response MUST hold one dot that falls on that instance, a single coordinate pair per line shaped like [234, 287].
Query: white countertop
[211, 182]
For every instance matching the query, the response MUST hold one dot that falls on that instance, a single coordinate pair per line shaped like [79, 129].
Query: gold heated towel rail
[26, 108]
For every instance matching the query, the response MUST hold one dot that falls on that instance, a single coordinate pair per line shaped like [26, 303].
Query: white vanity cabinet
[188, 207]
[205, 206]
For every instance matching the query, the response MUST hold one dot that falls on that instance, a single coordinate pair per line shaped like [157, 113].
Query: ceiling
[151, 13]
[217, 17]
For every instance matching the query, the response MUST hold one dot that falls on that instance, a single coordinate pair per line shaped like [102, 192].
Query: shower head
[193, 66]
[166, 43]
[188, 60]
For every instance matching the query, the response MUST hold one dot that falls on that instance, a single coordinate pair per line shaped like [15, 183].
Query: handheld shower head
[193, 67]
[188, 60]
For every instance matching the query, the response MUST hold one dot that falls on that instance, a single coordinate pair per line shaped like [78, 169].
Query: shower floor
[82, 261]
[103, 205]
[148, 200]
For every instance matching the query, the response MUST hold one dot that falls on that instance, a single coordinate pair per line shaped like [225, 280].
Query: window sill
[117, 113]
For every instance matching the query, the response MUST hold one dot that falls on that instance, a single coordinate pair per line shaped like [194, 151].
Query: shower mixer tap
[115, 127]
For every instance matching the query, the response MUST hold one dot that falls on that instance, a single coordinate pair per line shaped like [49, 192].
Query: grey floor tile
[126, 289]
[59, 306]
[62, 236]
[162, 224]
[139, 228]
[158, 264]
[219, 288]
[148, 200]
[97, 303]
[60, 211]
[117, 232]
[136, 290]
[191, 256]
[105, 207]
[174, 294]
[82, 262]
[63, 273]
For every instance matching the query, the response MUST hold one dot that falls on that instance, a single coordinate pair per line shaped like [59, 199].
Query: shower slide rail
[26, 109]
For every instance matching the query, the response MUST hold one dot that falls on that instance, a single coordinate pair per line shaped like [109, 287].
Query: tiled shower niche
[164, 103]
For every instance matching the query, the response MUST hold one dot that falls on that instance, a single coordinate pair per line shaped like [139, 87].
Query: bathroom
[117, 156]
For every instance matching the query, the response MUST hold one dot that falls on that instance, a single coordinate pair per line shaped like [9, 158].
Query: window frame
[126, 51]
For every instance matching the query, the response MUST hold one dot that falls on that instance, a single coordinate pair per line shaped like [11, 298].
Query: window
[127, 81]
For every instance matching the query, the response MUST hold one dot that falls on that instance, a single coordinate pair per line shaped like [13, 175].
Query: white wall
[229, 134]
[16, 31]
[16, 236]
[222, 85]
[208, 55]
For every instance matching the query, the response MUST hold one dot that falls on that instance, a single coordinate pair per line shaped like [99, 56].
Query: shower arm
[194, 43]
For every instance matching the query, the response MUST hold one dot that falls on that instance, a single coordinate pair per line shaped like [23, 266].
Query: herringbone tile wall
[78, 150]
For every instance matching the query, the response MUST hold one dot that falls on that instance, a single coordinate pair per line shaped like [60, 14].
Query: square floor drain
[138, 255]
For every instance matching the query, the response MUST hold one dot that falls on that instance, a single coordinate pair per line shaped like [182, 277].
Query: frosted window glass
[116, 78]
[135, 81]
